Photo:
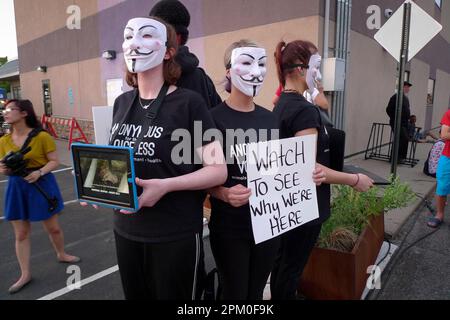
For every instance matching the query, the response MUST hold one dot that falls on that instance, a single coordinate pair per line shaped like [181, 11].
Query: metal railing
[380, 145]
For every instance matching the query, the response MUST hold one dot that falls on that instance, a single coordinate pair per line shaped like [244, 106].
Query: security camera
[388, 13]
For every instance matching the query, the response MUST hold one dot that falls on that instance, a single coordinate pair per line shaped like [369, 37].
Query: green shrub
[352, 210]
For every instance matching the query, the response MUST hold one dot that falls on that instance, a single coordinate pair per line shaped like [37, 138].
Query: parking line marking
[84, 282]
[62, 170]
[69, 202]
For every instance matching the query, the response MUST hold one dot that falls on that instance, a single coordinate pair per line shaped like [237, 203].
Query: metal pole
[347, 56]
[401, 79]
[326, 30]
[337, 45]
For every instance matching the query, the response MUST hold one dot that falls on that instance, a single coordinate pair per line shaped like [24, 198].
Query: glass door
[47, 97]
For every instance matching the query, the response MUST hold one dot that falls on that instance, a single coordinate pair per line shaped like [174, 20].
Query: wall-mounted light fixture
[42, 69]
[388, 13]
[109, 54]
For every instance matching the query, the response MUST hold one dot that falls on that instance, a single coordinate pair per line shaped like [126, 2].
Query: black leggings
[243, 266]
[296, 246]
[159, 271]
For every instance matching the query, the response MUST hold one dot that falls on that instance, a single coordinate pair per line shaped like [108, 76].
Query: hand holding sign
[237, 195]
[319, 175]
[283, 176]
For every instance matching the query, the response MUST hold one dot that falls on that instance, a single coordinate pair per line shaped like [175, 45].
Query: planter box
[332, 274]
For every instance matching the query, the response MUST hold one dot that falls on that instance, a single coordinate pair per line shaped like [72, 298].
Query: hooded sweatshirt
[194, 78]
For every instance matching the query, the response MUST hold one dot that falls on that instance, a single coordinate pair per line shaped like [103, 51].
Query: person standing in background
[24, 203]
[404, 129]
[442, 175]
[192, 76]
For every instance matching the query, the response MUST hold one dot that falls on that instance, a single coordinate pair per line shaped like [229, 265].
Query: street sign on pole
[406, 32]
[423, 28]
[399, 102]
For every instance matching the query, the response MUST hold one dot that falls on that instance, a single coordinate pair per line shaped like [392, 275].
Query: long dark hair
[31, 119]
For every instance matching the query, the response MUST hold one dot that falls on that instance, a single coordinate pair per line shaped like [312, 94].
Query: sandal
[434, 222]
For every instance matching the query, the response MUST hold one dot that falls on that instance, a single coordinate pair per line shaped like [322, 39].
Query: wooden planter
[331, 274]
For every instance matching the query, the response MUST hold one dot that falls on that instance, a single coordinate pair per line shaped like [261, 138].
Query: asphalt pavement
[417, 269]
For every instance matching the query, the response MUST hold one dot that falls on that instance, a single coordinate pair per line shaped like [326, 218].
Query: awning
[10, 71]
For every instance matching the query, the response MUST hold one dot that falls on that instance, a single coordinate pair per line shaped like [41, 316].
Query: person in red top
[442, 174]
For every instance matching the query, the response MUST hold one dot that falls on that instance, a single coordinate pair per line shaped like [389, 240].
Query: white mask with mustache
[314, 67]
[248, 69]
[144, 45]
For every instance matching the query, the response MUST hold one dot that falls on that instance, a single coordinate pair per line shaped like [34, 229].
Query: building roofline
[10, 69]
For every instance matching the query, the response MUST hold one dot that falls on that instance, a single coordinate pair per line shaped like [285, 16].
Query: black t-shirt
[226, 219]
[177, 214]
[295, 114]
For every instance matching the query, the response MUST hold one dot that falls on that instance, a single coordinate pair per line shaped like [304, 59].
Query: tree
[4, 84]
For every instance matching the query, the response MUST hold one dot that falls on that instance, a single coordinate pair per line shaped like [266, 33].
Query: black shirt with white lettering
[294, 113]
[257, 126]
[177, 214]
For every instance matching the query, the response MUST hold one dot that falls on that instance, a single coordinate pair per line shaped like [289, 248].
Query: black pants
[243, 266]
[296, 246]
[403, 145]
[201, 272]
[404, 140]
[159, 271]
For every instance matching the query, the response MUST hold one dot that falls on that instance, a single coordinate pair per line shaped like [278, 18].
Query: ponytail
[279, 62]
[290, 54]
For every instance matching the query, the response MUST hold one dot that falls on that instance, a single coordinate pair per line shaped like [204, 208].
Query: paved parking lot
[419, 274]
[88, 234]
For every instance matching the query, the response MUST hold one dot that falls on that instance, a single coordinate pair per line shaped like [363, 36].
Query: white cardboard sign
[279, 173]
[103, 117]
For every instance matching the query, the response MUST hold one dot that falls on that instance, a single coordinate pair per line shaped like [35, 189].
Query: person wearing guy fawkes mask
[243, 266]
[192, 76]
[315, 95]
[298, 117]
[159, 246]
[315, 92]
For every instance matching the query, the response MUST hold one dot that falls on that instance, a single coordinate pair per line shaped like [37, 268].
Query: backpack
[430, 165]
[331, 144]
[337, 148]
[425, 167]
